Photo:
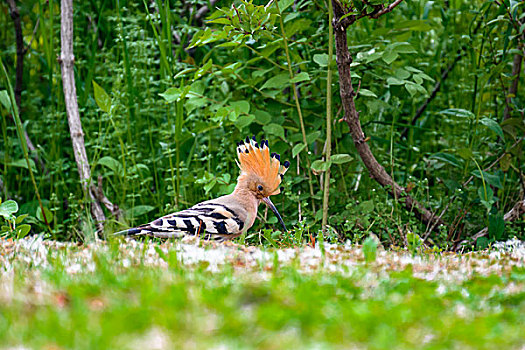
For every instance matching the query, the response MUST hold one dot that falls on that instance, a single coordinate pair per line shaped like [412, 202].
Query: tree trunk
[351, 117]
[67, 60]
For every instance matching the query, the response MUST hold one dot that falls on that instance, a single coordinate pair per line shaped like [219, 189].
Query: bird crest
[255, 158]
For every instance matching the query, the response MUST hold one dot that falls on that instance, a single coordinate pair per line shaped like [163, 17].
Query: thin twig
[32, 35]
[387, 9]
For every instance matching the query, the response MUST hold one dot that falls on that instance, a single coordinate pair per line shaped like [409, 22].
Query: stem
[297, 105]
[326, 189]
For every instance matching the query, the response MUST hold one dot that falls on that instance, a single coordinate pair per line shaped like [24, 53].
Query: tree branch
[19, 80]
[67, 60]
[387, 9]
[203, 10]
[351, 117]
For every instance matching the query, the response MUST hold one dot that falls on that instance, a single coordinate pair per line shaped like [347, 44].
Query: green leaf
[402, 74]
[49, 215]
[366, 92]
[482, 243]
[489, 178]
[312, 137]
[262, 117]
[365, 207]
[138, 210]
[320, 165]
[321, 59]
[101, 97]
[458, 112]
[298, 149]
[268, 235]
[413, 25]
[447, 158]
[112, 164]
[171, 95]
[496, 226]
[370, 249]
[414, 241]
[241, 106]
[486, 196]
[284, 4]
[415, 88]
[389, 56]
[274, 129]
[303, 76]
[244, 120]
[280, 81]
[402, 47]
[20, 218]
[418, 79]
[412, 69]
[424, 76]
[341, 158]
[4, 100]
[411, 89]
[22, 230]
[465, 153]
[8, 208]
[22, 163]
[220, 21]
[203, 70]
[370, 57]
[394, 81]
[209, 185]
[494, 126]
[183, 72]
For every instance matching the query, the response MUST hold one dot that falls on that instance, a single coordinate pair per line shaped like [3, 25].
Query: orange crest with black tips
[255, 158]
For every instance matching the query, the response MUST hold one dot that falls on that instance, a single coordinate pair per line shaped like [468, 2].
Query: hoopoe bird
[231, 215]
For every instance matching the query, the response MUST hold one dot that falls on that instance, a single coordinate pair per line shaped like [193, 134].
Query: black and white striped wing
[209, 220]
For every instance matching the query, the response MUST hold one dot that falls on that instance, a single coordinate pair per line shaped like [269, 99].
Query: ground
[192, 295]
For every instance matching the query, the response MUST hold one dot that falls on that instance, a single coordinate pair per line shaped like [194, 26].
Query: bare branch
[67, 60]
[351, 117]
[203, 10]
[32, 35]
[387, 9]
[101, 197]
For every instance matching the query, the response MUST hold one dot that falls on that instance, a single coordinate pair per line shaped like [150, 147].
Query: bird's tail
[148, 230]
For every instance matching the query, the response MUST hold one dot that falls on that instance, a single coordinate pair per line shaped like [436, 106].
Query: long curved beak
[274, 209]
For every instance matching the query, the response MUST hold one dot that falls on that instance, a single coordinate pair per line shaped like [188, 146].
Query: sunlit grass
[129, 295]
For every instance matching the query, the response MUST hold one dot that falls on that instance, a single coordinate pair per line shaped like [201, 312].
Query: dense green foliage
[164, 95]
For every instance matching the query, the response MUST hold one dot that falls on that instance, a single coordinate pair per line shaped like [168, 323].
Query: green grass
[116, 296]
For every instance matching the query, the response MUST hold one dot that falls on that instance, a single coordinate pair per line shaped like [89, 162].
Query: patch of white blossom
[35, 252]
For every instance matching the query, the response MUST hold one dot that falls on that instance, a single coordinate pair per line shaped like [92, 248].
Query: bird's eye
[260, 188]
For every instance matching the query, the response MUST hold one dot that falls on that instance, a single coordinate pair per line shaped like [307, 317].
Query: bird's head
[261, 172]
